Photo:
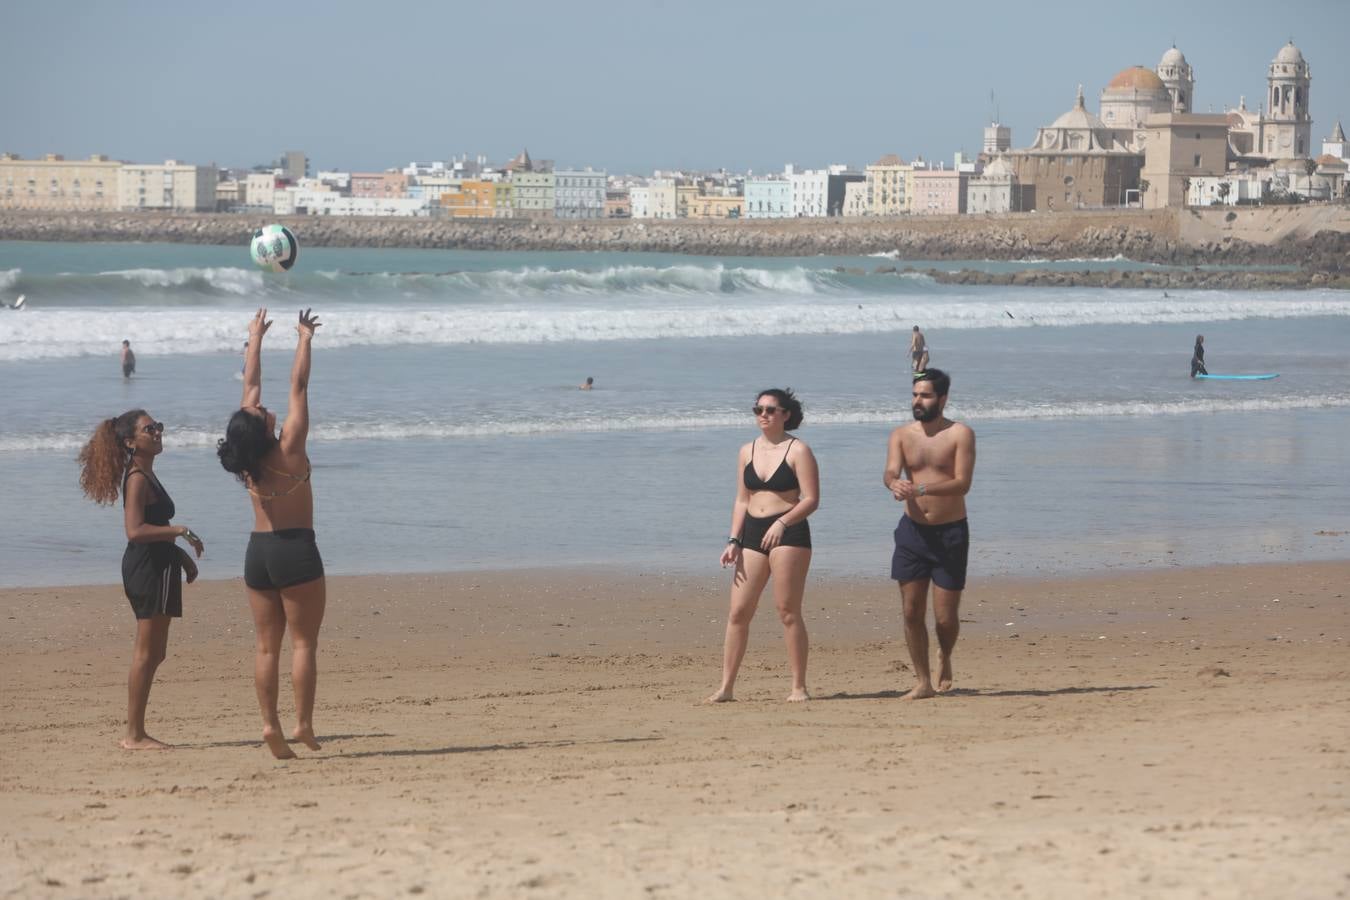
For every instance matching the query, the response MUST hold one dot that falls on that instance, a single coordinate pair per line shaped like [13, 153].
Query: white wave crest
[225, 280]
[972, 412]
[9, 278]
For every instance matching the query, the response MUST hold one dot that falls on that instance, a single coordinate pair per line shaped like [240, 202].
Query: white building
[1225, 190]
[855, 199]
[810, 192]
[993, 190]
[172, 185]
[331, 203]
[1336, 145]
[260, 189]
[579, 194]
[768, 198]
[342, 181]
[653, 200]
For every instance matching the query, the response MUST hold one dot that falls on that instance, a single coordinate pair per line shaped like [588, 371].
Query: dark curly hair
[247, 440]
[789, 402]
[106, 456]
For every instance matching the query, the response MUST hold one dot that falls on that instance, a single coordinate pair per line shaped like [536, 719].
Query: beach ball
[274, 248]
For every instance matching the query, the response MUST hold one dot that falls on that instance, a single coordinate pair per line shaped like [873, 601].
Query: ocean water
[448, 432]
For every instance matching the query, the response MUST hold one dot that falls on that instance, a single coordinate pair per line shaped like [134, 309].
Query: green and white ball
[274, 248]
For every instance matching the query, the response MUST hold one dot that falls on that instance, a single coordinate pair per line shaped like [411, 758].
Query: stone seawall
[1316, 238]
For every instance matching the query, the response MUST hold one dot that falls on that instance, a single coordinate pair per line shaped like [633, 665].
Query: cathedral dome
[1136, 78]
[1078, 117]
[1172, 57]
[1289, 54]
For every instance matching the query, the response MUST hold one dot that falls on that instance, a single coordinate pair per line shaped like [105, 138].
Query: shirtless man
[918, 351]
[128, 360]
[929, 467]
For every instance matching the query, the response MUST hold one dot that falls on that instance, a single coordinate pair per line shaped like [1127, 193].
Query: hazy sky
[627, 85]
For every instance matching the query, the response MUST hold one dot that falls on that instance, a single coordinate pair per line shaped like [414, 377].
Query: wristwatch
[923, 489]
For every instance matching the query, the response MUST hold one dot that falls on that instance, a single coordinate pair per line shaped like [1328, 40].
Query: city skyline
[693, 87]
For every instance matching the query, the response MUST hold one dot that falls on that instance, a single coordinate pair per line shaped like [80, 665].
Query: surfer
[1198, 357]
[918, 351]
[929, 467]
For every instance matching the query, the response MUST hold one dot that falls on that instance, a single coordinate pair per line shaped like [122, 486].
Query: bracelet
[190, 535]
[735, 540]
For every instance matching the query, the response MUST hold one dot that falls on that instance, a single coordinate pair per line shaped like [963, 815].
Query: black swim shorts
[281, 559]
[754, 529]
[938, 552]
[152, 578]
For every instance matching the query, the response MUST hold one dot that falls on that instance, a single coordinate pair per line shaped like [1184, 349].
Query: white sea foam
[432, 430]
[55, 333]
[9, 278]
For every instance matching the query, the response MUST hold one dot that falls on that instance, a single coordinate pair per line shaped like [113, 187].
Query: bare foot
[920, 692]
[143, 743]
[277, 744]
[306, 737]
[798, 695]
[944, 673]
[721, 697]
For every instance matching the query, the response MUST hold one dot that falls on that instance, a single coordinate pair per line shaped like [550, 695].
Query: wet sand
[1174, 733]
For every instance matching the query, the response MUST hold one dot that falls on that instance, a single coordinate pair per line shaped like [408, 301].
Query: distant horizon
[156, 81]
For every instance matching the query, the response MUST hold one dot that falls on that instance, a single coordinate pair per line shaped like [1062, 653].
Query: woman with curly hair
[777, 487]
[283, 572]
[120, 457]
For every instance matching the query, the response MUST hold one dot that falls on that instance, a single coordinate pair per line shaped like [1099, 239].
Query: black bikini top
[782, 479]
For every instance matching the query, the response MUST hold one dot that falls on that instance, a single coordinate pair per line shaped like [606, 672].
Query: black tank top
[161, 511]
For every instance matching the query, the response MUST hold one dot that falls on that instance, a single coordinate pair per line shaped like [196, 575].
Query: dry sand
[1176, 733]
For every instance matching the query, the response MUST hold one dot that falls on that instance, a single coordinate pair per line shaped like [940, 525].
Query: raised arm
[253, 360]
[296, 430]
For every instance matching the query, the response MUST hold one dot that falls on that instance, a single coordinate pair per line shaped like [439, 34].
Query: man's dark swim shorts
[938, 552]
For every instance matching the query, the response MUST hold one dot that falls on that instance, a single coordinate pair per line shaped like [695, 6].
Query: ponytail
[105, 457]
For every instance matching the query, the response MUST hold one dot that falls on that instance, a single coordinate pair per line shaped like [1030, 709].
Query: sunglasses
[765, 410]
[153, 428]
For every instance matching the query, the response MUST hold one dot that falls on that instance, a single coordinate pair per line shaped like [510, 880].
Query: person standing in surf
[1198, 357]
[283, 572]
[918, 351]
[929, 467]
[128, 360]
[777, 487]
[120, 458]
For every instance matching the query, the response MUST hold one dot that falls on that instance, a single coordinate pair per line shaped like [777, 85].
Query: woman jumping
[283, 572]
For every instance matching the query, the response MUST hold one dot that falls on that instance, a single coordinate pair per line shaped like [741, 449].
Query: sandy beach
[1178, 733]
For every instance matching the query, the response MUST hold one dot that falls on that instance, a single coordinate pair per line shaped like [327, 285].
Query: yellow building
[55, 182]
[887, 186]
[715, 206]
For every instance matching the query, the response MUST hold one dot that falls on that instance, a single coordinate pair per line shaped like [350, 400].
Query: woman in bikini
[283, 572]
[121, 457]
[777, 487]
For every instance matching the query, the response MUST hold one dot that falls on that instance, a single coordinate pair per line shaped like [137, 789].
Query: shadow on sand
[258, 742]
[977, 692]
[483, 748]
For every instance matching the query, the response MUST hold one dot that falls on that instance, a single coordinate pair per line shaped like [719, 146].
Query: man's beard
[926, 415]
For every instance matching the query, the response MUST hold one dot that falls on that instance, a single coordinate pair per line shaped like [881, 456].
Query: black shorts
[938, 552]
[152, 577]
[752, 533]
[281, 559]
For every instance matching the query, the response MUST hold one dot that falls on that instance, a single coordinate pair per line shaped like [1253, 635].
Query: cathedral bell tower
[1179, 77]
[1287, 127]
